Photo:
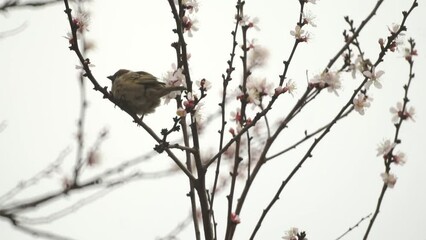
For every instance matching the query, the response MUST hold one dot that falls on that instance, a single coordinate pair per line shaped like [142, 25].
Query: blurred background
[40, 104]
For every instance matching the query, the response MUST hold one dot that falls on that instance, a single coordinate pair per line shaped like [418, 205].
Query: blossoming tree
[249, 131]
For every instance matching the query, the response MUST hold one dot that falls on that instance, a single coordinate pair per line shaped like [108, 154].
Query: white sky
[39, 100]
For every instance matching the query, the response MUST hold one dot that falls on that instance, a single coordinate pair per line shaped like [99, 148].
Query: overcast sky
[39, 105]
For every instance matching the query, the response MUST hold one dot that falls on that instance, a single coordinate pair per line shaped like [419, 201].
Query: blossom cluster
[248, 22]
[373, 78]
[289, 87]
[299, 33]
[238, 119]
[80, 23]
[192, 104]
[173, 78]
[189, 23]
[400, 113]
[330, 80]
[359, 65]
[294, 234]
[257, 88]
[409, 53]
[397, 37]
[257, 54]
[385, 149]
[362, 101]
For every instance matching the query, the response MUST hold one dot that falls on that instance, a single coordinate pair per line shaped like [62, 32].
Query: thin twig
[178, 229]
[36, 178]
[307, 136]
[18, 4]
[354, 226]
[41, 233]
[14, 31]
[230, 69]
[82, 118]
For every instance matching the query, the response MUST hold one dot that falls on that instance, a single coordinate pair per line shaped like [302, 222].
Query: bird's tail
[177, 88]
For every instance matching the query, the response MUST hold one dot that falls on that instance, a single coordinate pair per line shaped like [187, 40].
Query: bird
[140, 91]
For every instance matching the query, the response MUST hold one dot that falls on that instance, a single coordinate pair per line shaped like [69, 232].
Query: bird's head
[118, 74]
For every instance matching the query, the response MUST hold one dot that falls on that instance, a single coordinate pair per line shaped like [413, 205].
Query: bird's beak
[110, 78]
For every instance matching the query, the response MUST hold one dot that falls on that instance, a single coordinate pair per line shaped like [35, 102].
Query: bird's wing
[144, 78]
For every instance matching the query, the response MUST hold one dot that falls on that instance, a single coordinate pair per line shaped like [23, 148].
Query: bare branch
[36, 178]
[354, 226]
[41, 233]
[34, 4]
[13, 32]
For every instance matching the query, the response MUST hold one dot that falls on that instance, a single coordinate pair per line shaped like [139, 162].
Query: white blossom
[374, 78]
[385, 147]
[389, 179]
[362, 101]
[291, 234]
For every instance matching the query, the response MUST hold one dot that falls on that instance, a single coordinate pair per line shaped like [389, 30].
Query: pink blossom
[81, 21]
[300, 34]
[399, 158]
[236, 115]
[190, 102]
[289, 87]
[361, 102]
[397, 113]
[330, 80]
[66, 183]
[252, 44]
[232, 131]
[408, 54]
[189, 25]
[389, 179]
[204, 84]
[94, 158]
[278, 90]
[393, 45]
[235, 218]
[254, 23]
[256, 89]
[258, 57]
[291, 234]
